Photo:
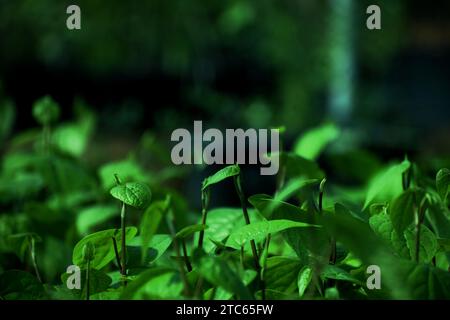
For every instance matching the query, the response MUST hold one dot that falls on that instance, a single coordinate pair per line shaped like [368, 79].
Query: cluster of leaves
[311, 239]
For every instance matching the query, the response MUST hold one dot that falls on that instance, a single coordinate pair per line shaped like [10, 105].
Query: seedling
[134, 194]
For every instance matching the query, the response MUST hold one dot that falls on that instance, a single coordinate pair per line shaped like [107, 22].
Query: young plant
[182, 235]
[134, 194]
[219, 176]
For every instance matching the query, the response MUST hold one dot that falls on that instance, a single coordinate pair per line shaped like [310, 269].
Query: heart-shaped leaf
[443, 183]
[402, 211]
[259, 230]
[135, 194]
[104, 249]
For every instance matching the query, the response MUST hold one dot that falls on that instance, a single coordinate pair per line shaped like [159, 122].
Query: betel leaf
[314, 141]
[428, 244]
[135, 194]
[219, 272]
[227, 172]
[259, 230]
[281, 273]
[149, 224]
[304, 279]
[104, 250]
[336, 273]
[381, 224]
[91, 217]
[165, 286]
[221, 222]
[387, 184]
[402, 210]
[134, 287]
[443, 183]
[154, 250]
[419, 281]
[98, 281]
[190, 230]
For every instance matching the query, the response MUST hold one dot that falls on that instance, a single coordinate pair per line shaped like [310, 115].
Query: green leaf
[387, 184]
[91, 217]
[46, 110]
[219, 272]
[259, 230]
[281, 274]
[304, 279]
[20, 285]
[311, 144]
[403, 279]
[402, 210]
[421, 282]
[165, 286]
[135, 194]
[190, 230]
[227, 172]
[98, 281]
[149, 224]
[221, 294]
[428, 245]
[221, 222]
[443, 183]
[104, 250]
[133, 288]
[381, 224]
[294, 187]
[333, 272]
[155, 249]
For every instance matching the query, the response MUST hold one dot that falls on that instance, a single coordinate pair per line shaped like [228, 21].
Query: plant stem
[176, 247]
[242, 257]
[33, 259]
[116, 252]
[237, 184]
[185, 254]
[205, 203]
[123, 238]
[88, 279]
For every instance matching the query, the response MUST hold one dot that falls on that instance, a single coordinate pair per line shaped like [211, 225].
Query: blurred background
[147, 67]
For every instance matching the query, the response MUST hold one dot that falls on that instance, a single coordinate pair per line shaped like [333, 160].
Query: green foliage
[259, 230]
[102, 242]
[313, 142]
[443, 183]
[386, 184]
[134, 194]
[312, 238]
[221, 175]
